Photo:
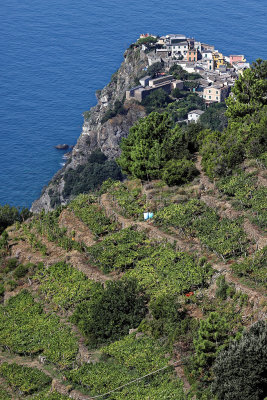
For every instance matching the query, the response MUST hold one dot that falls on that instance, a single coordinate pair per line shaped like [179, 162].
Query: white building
[194, 115]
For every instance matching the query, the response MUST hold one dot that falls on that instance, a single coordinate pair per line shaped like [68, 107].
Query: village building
[218, 59]
[217, 76]
[205, 46]
[236, 58]
[194, 115]
[215, 93]
[192, 55]
[197, 46]
[166, 83]
[144, 81]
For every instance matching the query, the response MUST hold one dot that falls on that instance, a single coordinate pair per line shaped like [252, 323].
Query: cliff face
[96, 134]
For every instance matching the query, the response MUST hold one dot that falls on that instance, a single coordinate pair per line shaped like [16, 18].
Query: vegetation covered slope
[96, 301]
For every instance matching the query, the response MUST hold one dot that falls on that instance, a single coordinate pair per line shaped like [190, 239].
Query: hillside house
[178, 49]
[144, 81]
[236, 58]
[192, 55]
[215, 93]
[194, 115]
[166, 83]
[218, 59]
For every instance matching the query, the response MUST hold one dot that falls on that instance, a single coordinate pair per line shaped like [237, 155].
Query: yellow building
[218, 59]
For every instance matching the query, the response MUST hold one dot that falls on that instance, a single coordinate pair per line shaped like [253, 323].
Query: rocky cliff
[99, 132]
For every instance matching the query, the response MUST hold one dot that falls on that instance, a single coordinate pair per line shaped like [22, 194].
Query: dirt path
[73, 224]
[25, 253]
[184, 245]
[152, 231]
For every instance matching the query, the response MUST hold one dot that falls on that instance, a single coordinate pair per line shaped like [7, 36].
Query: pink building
[237, 58]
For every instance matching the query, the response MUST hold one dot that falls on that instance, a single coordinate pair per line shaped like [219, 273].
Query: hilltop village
[213, 73]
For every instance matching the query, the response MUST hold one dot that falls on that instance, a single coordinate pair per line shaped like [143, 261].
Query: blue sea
[56, 53]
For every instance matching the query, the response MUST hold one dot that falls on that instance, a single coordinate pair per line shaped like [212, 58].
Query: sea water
[56, 53]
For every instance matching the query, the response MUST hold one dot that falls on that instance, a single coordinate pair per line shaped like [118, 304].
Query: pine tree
[241, 369]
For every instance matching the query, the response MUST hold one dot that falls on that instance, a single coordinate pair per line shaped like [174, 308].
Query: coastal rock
[62, 146]
[96, 133]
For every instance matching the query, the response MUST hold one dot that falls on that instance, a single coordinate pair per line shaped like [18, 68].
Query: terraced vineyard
[68, 307]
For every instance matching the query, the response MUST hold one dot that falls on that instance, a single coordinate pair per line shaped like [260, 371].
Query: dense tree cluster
[245, 135]
[9, 215]
[241, 369]
[91, 175]
[154, 150]
[111, 312]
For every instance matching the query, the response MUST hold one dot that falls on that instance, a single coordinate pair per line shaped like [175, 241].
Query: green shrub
[147, 40]
[11, 264]
[111, 312]
[21, 271]
[50, 396]
[150, 145]
[11, 285]
[4, 395]
[167, 315]
[156, 100]
[178, 172]
[118, 108]
[9, 215]
[211, 337]
[89, 176]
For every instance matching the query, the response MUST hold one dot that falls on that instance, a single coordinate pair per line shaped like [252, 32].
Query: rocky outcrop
[99, 134]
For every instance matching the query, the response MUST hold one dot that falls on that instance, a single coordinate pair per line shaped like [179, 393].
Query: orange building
[192, 55]
[237, 58]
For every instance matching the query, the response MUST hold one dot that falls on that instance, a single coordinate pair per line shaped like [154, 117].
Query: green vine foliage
[26, 329]
[167, 272]
[126, 360]
[92, 215]
[224, 236]
[4, 395]
[143, 354]
[129, 198]
[120, 250]
[247, 195]
[27, 380]
[253, 267]
[47, 224]
[63, 285]
[50, 396]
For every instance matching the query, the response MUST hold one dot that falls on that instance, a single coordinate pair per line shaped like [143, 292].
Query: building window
[216, 91]
[206, 55]
[209, 97]
[217, 98]
[189, 58]
[209, 91]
